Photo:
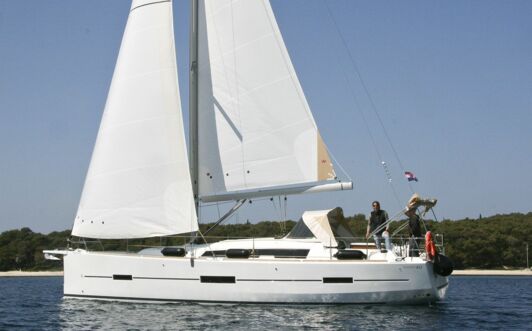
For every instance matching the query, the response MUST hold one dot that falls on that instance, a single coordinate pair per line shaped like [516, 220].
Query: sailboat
[252, 135]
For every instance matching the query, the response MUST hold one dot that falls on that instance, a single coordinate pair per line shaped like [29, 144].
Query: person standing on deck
[376, 219]
[415, 231]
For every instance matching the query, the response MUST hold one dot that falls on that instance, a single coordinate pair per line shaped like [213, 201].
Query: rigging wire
[285, 206]
[434, 214]
[335, 161]
[278, 212]
[359, 108]
[218, 209]
[366, 90]
[217, 204]
[283, 213]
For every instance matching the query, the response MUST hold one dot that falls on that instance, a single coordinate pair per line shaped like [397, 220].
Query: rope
[281, 212]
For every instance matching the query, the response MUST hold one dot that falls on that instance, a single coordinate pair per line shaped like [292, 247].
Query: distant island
[495, 242]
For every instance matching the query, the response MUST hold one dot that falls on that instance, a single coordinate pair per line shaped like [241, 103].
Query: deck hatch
[122, 277]
[218, 279]
[337, 280]
[278, 253]
[300, 253]
[219, 253]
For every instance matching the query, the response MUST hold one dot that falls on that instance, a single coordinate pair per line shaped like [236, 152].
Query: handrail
[388, 221]
[401, 244]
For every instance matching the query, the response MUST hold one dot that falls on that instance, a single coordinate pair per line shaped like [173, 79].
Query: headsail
[256, 130]
[138, 183]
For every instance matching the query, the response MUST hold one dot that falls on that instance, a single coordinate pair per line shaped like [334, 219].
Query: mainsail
[138, 183]
[255, 129]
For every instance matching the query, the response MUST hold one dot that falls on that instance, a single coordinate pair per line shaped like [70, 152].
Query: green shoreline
[487, 272]
[498, 242]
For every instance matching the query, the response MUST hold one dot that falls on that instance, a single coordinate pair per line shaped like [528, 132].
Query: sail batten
[141, 3]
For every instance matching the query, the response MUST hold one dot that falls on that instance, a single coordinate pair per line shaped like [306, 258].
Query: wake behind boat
[252, 134]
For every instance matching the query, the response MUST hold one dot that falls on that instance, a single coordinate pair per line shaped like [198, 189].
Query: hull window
[336, 280]
[122, 277]
[218, 279]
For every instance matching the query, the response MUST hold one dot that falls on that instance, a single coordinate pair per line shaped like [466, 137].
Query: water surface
[488, 303]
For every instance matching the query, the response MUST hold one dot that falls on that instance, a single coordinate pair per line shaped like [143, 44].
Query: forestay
[138, 183]
[255, 127]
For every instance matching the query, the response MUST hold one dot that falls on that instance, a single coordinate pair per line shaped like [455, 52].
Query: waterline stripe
[381, 280]
[279, 280]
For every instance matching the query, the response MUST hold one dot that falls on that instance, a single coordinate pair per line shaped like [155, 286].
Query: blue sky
[451, 81]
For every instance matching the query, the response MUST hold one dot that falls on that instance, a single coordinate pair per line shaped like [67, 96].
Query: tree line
[494, 242]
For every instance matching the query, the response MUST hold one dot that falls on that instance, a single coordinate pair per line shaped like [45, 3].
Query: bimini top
[324, 225]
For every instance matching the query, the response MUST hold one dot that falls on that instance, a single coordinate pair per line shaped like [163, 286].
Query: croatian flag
[410, 176]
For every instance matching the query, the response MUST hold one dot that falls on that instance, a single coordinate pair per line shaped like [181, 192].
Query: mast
[193, 100]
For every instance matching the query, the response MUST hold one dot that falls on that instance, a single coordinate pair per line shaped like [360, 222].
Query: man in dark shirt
[376, 219]
[415, 231]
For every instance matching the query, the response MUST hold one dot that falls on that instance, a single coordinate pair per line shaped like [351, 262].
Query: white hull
[133, 277]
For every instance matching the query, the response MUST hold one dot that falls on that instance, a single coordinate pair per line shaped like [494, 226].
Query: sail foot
[276, 191]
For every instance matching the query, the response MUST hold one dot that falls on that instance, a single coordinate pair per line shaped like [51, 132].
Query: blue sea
[472, 303]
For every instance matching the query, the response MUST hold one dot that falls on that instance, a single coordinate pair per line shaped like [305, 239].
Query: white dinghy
[252, 134]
